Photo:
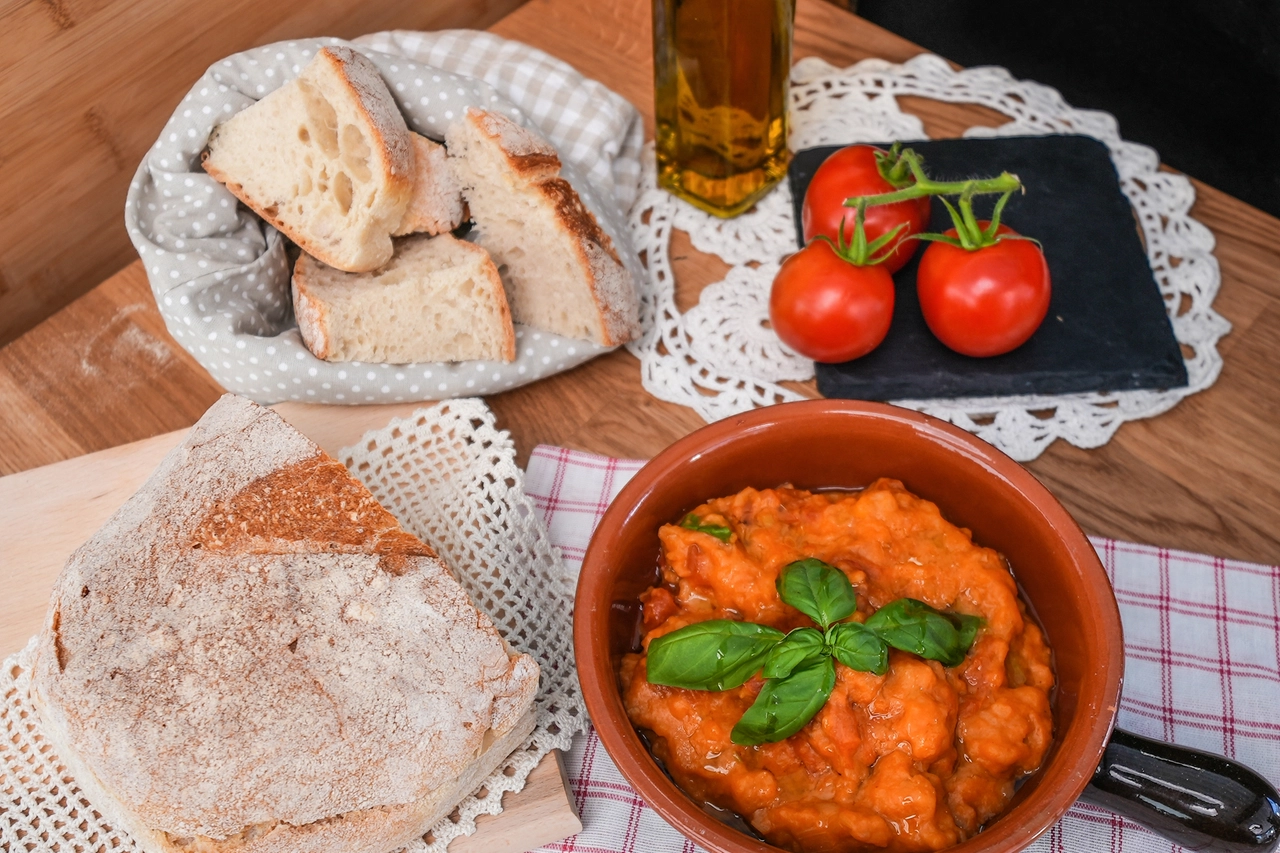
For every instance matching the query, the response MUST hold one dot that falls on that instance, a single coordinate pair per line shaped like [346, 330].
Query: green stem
[990, 233]
[972, 231]
[858, 253]
[857, 250]
[957, 219]
[926, 186]
[894, 165]
[916, 166]
[970, 234]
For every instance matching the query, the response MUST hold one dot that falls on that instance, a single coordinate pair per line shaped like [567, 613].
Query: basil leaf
[967, 627]
[720, 531]
[819, 591]
[798, 648]
[719, 654]
[786, 704]
[914, 626]
[859, 648]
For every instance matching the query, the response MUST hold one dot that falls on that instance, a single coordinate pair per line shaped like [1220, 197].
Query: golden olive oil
[720, 96]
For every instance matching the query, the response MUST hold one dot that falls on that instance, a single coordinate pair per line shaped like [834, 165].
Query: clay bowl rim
[1075, 754]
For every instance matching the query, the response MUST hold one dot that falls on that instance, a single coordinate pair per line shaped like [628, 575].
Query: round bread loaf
[251, 655]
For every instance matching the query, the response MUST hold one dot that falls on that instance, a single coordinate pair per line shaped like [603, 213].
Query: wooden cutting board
[46, 513]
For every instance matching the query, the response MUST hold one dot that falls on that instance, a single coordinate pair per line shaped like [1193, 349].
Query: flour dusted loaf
[252, 656]
[437, 299]
[326, 158]
[560, 269]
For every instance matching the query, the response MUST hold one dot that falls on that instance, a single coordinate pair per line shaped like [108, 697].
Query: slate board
[1107, 327]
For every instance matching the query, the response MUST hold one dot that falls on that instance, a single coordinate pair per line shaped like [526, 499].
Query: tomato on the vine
[828, 309]
[983, 289]
[986, 301]
[858, 171]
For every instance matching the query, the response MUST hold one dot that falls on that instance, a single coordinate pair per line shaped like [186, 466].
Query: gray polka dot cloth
[221, 275]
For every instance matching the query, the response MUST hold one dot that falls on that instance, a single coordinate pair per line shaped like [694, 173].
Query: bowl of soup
[982, 754]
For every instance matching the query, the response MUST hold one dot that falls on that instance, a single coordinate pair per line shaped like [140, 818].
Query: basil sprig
[802, 646]
[720, 531]
[798, 669]
[914, 626]
[786, 704]
[858, 647]
[817, 590]
[719, 654]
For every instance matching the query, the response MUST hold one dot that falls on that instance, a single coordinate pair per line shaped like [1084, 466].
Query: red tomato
[985, 302]
[852, 172]
[827, 309]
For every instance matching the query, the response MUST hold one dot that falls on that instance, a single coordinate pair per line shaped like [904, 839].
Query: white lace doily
[720, 357]
[450, 477]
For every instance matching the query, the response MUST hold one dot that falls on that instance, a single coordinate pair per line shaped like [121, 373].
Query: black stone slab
[1107, 327]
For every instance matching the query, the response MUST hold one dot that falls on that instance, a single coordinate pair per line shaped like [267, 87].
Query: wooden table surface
[1203, 477]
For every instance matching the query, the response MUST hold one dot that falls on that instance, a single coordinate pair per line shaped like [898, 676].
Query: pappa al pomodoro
[919, 758]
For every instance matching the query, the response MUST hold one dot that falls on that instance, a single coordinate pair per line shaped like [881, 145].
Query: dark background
[1198, 80]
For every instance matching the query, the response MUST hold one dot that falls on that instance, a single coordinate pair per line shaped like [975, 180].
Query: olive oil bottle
[720, 90]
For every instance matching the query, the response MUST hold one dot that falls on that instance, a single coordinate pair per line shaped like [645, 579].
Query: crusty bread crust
[530, 157]
[225, 667]
[574, 216]
[610, 282]
[312, 314]
[390, 149]
[344, 334]
[530, 167]
[379, 108]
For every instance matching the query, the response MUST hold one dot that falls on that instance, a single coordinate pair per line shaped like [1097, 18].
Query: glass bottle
[720, 95]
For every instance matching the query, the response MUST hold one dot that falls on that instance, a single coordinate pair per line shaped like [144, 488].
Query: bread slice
[326, 158]
[436, 204]
[559, 268]
[437, 299]
[251, 656]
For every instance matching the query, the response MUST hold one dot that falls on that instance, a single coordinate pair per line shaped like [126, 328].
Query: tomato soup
[916, 759]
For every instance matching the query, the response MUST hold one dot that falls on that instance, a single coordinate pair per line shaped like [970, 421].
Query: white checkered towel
[1202, 650]
[588, 123]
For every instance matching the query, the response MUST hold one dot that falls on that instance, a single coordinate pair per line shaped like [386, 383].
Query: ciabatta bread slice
[560, 269]
[251, 656]
[437, 299]
[326, 158]
[436, 204]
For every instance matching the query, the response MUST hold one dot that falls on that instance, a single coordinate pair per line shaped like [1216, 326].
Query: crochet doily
[720, 357]
[450, 477]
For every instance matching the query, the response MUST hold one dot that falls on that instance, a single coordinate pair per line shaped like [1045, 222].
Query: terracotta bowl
[828, 443]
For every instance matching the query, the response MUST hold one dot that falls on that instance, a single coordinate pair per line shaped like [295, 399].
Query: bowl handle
[1201, 801]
